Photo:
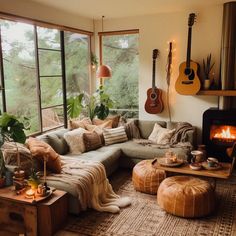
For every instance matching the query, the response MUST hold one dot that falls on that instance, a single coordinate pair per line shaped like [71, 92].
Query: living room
[155, 25]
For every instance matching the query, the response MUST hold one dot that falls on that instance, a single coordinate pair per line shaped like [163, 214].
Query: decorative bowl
[195, 166]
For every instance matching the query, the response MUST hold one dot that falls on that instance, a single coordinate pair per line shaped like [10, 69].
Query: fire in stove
[223, 133]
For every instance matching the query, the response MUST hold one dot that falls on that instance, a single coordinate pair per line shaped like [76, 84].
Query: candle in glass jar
[30, 193]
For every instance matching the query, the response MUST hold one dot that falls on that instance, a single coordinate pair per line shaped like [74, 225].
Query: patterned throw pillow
[160, 135]
[92, 141]
[10, 149]
[116, 135]
[74, 139]
[41, 150]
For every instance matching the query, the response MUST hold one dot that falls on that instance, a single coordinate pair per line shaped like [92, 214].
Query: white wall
[41, 12]
[155, 32]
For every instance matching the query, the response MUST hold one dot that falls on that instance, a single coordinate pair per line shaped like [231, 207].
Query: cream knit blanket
[89, 180]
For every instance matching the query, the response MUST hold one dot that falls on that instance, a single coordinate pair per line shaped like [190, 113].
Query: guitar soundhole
[153, 96]
[189, 73]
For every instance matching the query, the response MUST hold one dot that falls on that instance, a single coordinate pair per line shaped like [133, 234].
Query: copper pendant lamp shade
[103, 71]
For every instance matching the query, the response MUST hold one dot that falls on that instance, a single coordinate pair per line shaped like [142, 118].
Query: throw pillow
[132, 130]
[74, 139]
[160, 135]
[116, 135]
[76, 123]
[9, 151]
[99, 129]
[56, 141]
[113, 119]
[41, 150]
[92, 141]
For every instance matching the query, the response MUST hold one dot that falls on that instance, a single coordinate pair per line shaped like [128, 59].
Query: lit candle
[30, 193]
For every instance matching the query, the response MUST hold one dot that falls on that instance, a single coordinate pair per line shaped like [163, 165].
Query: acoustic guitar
[188, 82]
[154, 103]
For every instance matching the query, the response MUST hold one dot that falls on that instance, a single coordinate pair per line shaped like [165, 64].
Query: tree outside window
[121, 53]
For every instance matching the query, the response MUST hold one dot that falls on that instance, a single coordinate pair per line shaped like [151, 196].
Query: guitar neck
[189, 47]
[153, 73]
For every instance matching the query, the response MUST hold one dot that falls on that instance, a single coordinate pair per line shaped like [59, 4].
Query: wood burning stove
[219, 132]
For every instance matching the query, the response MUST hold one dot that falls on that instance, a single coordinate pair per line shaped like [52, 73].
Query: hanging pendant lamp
[103, 71]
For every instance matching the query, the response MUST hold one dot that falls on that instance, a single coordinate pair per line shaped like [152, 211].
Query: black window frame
[62, 29]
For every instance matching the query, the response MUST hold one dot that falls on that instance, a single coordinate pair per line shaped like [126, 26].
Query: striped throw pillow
[116, 135]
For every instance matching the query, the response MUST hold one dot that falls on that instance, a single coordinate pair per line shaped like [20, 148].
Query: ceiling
[125, 8]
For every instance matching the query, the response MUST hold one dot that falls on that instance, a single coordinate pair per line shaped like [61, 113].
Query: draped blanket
[89, 180]
[180, 134]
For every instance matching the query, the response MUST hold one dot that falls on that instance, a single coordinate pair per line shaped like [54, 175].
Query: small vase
[207, 84]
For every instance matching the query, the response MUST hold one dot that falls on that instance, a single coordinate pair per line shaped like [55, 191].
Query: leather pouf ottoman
[186, 196]
[146, 178]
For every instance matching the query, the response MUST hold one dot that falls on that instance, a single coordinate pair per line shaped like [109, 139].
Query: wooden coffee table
[222, 173]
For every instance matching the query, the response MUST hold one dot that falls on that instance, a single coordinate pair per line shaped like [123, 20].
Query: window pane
[19, 71]
[51, 91]
[48, 38]
[52, 117]
[121, 53]
[77, 63]
[49, 63]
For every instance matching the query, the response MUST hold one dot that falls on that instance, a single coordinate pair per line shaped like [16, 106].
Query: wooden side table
[20, 215]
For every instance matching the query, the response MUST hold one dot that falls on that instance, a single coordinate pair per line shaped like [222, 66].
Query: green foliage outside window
[121, 53]
[20, 75]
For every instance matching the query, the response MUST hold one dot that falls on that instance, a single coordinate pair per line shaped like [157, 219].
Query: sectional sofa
[114, 156]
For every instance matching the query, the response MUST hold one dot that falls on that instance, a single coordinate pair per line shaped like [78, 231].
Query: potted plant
[34, 179]
[11, 129]
[207, 67]
[104, 103]
[97, 104]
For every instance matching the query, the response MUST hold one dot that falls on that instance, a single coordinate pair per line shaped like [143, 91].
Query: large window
[77, 63]
[20, 87]
[120, 52]
[37, 64]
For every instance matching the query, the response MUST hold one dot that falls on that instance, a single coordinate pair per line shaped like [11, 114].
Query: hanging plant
[94, 60]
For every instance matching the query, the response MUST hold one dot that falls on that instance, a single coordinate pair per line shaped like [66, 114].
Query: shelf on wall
[228, 93]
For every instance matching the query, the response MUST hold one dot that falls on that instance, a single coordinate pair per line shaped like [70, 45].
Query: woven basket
[146, 178]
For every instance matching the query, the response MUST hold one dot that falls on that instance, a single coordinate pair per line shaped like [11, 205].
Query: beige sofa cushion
[160, 135]
[146, 127]
[75, 140]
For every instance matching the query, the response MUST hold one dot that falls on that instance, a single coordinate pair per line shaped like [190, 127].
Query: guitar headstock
[191, 19]
[155, 53]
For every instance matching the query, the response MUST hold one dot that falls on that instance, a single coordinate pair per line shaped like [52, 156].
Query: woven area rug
[145, 218]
